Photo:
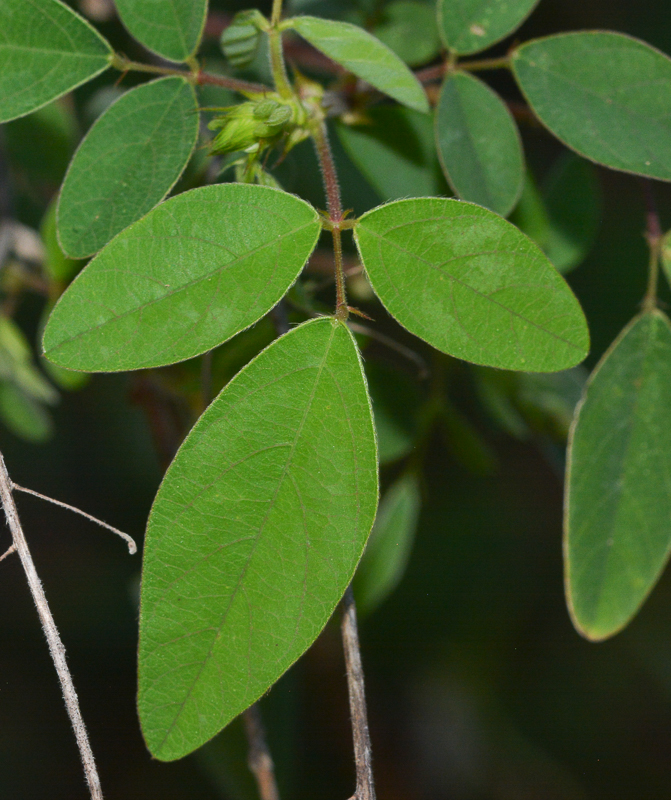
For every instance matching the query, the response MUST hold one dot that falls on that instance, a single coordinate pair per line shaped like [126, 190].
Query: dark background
[479, 687]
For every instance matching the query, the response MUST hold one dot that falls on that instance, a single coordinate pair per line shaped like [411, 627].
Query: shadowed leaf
[605, 95]
[618, 493]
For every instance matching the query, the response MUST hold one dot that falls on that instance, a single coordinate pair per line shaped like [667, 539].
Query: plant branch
[653, 236]
[484, 64]
[54, 641]
[132, 547]
[276, 14]
[11, 549]
[198, 78]
[259, 759]
[365, 786]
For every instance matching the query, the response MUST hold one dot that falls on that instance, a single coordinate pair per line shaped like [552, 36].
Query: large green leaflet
[128, 162]
[365, 56]
[605, 95]
[468, 26]
[45, 51]
[171, 28]
[254, 535]
[478, 144]
[618, 485]
[396, 153]
[471, 284]
[192, 273]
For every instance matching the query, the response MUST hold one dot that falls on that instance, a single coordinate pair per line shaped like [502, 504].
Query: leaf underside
[618, 486]
[193, 272]
[605, 95]
[471, 284]
[128, 162]
[45, 51]
[254, 534]
[365, 56]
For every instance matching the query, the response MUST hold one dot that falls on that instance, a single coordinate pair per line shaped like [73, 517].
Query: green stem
[484, 64]
[654, 236]
[276, 13]
[198, 78]
[277, 65]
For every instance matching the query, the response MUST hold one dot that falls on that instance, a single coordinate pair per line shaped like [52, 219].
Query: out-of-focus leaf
[564, 220]
[16, 364]
[468, 26]
[193, 272]
[171, 28]
[254, 535]
[573, 198]
[479, 144]
[408, 27]
[57, 265]
[388, 550]
[666, 255]
[551, 398]
[618, 493]
[23, 415]
[40, 145]
[605, 95]
[471, 284]
[365, 56]
[45, 51]
[127, 163]
[395, 153]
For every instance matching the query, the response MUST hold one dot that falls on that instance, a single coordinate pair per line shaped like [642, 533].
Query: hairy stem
[365, 786]
[654, 236]
[335, 212]
[328, 170]
[277, 65]
[199, 78]
[54, 641]
[259, 759]
[132, 547]
[276, 13]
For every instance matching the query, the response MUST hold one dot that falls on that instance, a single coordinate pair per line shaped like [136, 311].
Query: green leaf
[471, 284]
[365, 56]
[618, 494]
[128, 162]
[171, 28]
[388, 550]
[408, 27]
[469, 26]
[254, 535]
[478, 144]
[45, 51]
[666, 255]
[395, 153]
[196, 270]
[605, 95]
